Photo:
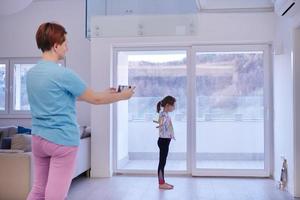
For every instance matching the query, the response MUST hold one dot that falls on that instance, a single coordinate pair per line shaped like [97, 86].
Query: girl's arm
[105, 97]
[160, 122]
[173, 137]
[156, 123]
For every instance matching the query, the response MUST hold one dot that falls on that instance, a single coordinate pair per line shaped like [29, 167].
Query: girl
[166, 133]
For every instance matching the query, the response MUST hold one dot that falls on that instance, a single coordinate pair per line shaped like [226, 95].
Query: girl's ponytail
[167, 100]
[158, 106]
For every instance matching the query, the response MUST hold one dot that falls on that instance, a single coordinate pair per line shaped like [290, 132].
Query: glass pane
[155, 74]
[2, 86]
[93, 8]
[230, 110]
[20, 92]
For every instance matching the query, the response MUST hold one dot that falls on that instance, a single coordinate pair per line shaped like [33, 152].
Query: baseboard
[200, 156]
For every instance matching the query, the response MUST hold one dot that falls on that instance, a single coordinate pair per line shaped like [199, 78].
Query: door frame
[115, 51]
[191, 105]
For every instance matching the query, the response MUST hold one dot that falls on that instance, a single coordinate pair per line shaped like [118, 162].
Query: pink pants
[53, 169]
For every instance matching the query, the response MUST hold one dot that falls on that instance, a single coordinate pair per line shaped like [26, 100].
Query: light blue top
[52, 92]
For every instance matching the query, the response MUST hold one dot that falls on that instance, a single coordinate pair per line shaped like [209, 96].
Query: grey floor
[186, 188]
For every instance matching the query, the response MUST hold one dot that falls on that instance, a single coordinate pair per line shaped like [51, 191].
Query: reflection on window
[229, 86]
[230, 110]
[2, 86]
[155, 74]
[20, 92]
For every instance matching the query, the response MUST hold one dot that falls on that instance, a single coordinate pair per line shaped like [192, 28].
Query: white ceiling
[8, 7]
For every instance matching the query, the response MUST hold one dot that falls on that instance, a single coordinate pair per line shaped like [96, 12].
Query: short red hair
[49, 34]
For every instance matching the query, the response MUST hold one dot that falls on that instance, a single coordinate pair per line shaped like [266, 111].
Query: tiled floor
[186, 188]
[181, 164]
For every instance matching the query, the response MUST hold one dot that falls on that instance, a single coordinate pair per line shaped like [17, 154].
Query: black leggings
[163, 144]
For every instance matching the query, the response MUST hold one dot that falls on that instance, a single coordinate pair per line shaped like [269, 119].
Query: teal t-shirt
[52, 92]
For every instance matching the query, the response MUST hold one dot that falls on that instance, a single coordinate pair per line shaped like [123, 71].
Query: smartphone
[123, 87]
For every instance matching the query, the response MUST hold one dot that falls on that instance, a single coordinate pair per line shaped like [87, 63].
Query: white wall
[297, 109]
[283, 101]
[213, 28]
[296, 17]
[17, 39]
[286, 98]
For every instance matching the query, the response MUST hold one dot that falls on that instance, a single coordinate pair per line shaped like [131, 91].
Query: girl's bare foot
[170, 185]
[165, 186]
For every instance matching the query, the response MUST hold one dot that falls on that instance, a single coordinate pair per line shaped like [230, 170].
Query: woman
[52, 93]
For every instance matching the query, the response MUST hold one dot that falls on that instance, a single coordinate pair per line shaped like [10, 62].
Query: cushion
[85, 131]
[21, 142]
[7, 131]
[11, 151]
[1, 137]
[23, 130]
[81, 129]
[6, 143]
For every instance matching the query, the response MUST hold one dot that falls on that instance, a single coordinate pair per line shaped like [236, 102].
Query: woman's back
[52, 92]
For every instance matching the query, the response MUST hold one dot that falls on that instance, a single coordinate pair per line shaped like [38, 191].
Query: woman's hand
[127, 93]
[111, 90]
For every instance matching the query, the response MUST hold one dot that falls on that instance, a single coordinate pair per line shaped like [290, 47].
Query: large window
[225, 130]
[13, 94]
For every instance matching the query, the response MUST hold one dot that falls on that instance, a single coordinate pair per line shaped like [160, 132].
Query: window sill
[15, 116]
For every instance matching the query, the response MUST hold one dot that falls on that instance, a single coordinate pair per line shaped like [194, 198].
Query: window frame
[115, 50]
[6, 99]
[266, 172]
[191, 85]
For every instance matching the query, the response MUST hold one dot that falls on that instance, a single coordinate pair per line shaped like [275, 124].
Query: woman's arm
[105, 97]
